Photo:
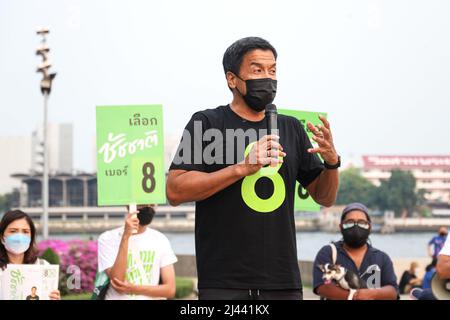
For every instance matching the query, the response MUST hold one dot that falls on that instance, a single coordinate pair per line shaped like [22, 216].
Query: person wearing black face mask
[354, 253]
[355, 233]
[235, 221]
[260, 92]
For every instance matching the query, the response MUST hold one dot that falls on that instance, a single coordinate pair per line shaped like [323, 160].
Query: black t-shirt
[237, 245]
[405, 280]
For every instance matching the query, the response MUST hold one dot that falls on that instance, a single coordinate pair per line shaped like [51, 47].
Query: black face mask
[355, 237]
[145, 216]
[260, 92]
[443, 234]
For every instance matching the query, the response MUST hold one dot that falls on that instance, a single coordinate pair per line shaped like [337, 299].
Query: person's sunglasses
[351, 223]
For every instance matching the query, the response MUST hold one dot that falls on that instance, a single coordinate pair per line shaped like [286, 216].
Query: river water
[397, 245]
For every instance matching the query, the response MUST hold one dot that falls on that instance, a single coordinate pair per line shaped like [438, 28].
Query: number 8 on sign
[148, 180]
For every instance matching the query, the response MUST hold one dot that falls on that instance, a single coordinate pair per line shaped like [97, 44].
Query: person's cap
[355, 206]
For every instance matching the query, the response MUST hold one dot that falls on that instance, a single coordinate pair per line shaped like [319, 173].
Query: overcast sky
[381, 69]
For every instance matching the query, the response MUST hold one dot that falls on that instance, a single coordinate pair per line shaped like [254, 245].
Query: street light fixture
[46, 87]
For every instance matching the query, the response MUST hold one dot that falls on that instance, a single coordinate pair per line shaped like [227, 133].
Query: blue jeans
[426, 294]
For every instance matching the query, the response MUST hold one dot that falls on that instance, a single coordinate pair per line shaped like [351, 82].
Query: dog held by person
[346, 279]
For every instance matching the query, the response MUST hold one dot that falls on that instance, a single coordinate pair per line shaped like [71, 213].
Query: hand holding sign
[132, 221]
[131, 224]
[55, 295]
[323, 137]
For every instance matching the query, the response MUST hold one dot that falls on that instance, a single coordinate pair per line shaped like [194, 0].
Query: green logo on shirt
[140, 272]
[248, 191]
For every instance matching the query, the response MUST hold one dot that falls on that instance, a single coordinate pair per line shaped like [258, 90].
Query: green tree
[8, 200]
[398, 193]
[2, 203]
[353, 187]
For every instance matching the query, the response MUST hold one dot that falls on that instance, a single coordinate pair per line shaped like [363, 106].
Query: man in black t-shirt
[243, 182]
[33, 295]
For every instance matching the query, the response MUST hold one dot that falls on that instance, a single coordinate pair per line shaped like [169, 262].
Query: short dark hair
[232, 58]
[148, 211]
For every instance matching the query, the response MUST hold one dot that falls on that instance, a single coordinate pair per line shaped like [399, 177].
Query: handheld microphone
[271, 120]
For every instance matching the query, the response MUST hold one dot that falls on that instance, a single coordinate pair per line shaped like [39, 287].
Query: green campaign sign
[130, 155]
[303, 201]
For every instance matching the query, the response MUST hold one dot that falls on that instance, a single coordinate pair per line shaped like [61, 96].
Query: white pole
[45, 188]
[132, 207]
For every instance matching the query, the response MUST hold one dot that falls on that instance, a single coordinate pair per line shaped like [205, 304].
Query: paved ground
[307, 294]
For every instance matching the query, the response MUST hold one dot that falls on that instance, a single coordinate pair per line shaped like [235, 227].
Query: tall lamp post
[46, 86]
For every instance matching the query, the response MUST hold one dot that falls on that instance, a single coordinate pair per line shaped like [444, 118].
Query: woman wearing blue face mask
[17, 245]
